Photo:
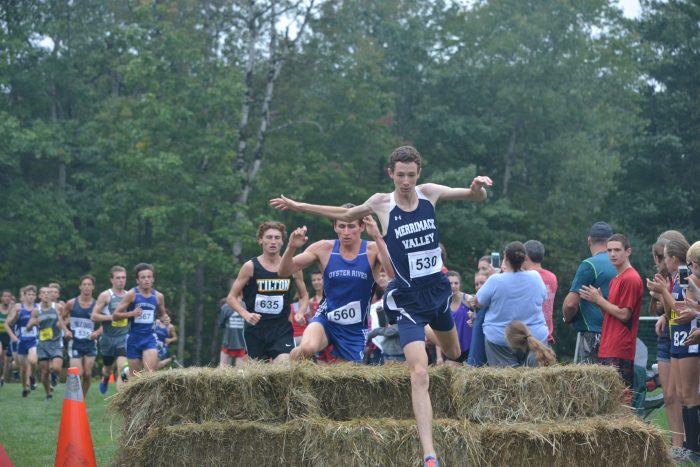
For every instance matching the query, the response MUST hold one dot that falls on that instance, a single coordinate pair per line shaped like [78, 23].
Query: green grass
[30, 426]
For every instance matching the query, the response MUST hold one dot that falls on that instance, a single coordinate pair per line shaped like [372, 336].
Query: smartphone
[683, 273]
[495, 259]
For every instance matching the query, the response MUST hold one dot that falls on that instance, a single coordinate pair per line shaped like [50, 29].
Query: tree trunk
[199, 314]
[249, 171]
[181, 319]
[251, 23]
[215, 344]
[509, 159]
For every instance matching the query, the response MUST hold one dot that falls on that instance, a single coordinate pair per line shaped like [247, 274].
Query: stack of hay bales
[308, 415]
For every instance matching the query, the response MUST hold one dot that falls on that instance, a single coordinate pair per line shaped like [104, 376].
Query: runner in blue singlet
[142, 305]
[349, 266]
[420, 292]
[23, 339]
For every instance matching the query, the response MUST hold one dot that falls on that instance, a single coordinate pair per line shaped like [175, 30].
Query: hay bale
[536, 394]
[347, 391]
[383, 442]
[624, 441]
[620, 441]
[273, 393]
[261, 392]
[196, 395]
[217, 443]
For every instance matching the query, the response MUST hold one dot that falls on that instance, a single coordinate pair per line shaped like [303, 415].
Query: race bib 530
[424, 263]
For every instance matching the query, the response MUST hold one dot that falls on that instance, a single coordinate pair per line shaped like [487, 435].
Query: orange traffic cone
[4, 458]
[74, 439]
[111, 377]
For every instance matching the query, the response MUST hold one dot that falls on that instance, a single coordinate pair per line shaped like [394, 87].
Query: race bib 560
[348, 314]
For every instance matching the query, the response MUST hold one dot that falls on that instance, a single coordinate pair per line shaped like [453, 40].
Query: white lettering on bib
[348, 314]
[81, 327]
[424, 263]
[269, 304]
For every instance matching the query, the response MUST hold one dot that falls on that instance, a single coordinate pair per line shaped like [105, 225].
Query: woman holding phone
[685, 372]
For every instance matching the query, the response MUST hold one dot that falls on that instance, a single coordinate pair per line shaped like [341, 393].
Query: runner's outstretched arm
[475, 192]
[333, 212]
[382, 252]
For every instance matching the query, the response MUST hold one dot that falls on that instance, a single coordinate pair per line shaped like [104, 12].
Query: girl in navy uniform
[684, 359]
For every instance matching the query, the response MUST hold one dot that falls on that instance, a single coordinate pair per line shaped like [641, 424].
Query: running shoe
[430, 461]
[125, 373]
[49, 397]
[680, 454]
[54, 380]
[25, 392]
[32, 382]
[104, 383]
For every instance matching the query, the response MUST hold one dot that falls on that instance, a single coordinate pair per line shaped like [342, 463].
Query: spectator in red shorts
[300, 321]
[620, 311]
[233, 345]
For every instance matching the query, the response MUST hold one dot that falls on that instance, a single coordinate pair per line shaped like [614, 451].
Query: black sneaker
[54, 380]
[49, 397]
[25, 392]
[32, 382]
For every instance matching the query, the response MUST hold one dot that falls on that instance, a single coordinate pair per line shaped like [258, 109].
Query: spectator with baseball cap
[596, 271]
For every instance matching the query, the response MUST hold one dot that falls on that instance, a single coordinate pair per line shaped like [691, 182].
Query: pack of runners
[130, 329]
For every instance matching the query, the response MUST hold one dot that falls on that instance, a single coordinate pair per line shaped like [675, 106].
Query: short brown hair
[55, 285]
[405, 154]
[115, 269]
[265, 226]
[27, 288]
[87, 276]
[620, 238]
[143, 267]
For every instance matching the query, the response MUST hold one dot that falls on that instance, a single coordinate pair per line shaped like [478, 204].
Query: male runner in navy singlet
[420, 293]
